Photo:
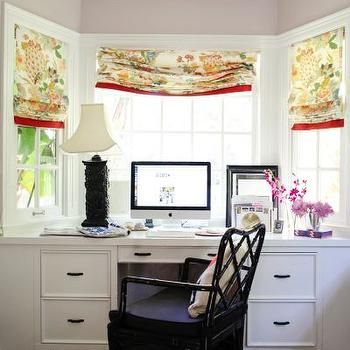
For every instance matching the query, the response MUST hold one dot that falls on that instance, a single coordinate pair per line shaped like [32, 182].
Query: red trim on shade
[339, 123]
[113, 86]
[38, 123]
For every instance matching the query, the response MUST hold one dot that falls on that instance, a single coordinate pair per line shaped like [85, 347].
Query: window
[218, 128]
[317, 157]
[37, 169]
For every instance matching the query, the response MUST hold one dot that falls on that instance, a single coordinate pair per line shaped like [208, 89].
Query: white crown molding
[40, 24]
[186, 41]
[319, 26]
[183, 41]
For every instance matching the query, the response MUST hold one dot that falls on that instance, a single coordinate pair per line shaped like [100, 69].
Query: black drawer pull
[75, 273]
[77, 320]
[281, 276]
[277, 323]
[211, 254]
[142, 254]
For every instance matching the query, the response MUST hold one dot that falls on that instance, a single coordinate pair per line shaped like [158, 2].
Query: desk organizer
[312, 233]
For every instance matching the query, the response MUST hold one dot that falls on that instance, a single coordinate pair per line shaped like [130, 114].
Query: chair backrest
[237, 259]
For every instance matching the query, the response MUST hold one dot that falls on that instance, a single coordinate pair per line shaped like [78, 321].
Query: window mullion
[223, 170]
[56, 168]
[192, 128]
[222, 132]
[131, 131]
[193, 133]
[37, 169]
[318, 169]
[161, 128]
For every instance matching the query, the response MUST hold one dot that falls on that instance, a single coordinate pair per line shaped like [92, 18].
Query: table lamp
[93, 135]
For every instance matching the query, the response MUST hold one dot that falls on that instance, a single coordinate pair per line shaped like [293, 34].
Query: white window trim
[68, 202]
[332, 22]
[272, 146]
[37, 167]
[338, 217]
[216, 217]
[265, 144]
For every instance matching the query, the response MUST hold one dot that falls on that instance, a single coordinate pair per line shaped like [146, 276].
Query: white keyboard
[159, 232]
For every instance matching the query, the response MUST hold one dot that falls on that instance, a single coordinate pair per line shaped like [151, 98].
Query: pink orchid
[322, 210]
[279, 191]
[299, 207]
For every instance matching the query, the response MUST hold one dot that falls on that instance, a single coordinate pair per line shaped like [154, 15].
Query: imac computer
[170, 190]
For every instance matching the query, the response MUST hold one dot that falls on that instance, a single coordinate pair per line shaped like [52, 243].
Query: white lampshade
[92, 134]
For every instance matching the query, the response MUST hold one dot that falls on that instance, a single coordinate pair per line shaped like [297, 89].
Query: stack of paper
[113, 230]
[249, 210]
[60, 231]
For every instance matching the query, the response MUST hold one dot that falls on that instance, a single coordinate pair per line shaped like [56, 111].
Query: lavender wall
[179, 16]
[63, 12]
[293, 13]
[202, 16]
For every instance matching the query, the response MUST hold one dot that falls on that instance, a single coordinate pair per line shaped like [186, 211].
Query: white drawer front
[163, 254]
[284, 276]
[70, 274]
[74, 321]
[296, 324]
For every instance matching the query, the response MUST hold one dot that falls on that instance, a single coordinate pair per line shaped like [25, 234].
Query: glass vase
[299, 223]
[293, 222]
[288, 218]
[314, 221]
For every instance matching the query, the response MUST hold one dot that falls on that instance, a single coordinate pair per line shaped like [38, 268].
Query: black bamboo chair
[162, 321]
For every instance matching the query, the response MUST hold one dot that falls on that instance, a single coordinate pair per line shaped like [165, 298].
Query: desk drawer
[284, 276]
[74, 321]
[143, 254]
[75, 274]
[281, 324]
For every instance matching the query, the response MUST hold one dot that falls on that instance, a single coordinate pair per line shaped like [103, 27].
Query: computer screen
[173, 190]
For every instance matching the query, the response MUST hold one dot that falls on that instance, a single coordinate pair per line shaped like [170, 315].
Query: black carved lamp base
[96, 185]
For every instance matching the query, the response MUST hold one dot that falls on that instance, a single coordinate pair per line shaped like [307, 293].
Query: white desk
[37, 296]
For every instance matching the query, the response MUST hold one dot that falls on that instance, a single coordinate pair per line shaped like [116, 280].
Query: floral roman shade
[40, 85]
[180, 73]
[315, 100]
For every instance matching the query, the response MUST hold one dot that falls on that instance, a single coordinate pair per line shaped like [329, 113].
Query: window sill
[38, 226]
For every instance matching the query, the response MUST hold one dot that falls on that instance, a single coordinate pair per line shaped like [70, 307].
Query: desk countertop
[138, 238]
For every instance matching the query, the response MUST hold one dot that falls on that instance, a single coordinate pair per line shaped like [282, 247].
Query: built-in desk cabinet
[283, 302]
[57, 297]
[75, 296]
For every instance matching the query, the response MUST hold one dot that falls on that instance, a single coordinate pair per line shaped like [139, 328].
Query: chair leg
[205, 345]
[115, 341]
[111, 341]
[232, 342]
[238, 338]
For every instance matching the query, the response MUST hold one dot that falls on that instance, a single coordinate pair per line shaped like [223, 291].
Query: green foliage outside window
[35, 162]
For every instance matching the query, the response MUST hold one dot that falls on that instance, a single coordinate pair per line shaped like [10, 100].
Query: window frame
[340, 216]
[192, 132]
[312, 29]
[37, 209]
[12, 219]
